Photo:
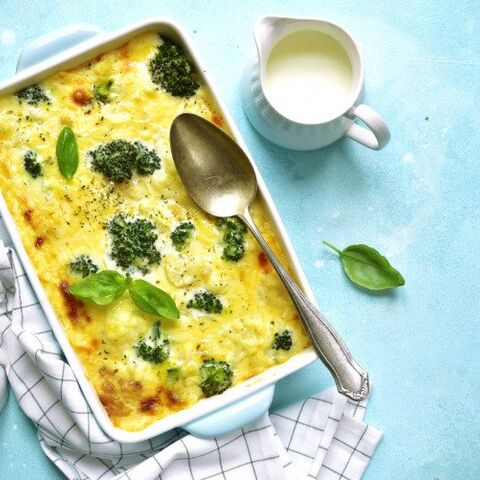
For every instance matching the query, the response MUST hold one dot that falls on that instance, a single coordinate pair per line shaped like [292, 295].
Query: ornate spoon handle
[350, 378]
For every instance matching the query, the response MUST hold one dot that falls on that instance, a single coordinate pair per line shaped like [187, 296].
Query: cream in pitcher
[308, 76]
[302, 90]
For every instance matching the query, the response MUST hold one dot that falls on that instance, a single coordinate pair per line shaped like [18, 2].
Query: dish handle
[3, 387]
[232, 416]
[55, 42]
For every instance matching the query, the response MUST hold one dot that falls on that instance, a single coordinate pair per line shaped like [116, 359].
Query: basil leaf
[151, 299]
[101, 288]
[67, 153]
[366, 267]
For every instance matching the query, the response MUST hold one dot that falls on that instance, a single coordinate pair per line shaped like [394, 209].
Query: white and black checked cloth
[321, 438]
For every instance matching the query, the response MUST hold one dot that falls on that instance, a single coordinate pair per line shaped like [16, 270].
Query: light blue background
[417, 201]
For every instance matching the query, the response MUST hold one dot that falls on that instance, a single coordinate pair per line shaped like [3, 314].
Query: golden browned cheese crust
[59, 219]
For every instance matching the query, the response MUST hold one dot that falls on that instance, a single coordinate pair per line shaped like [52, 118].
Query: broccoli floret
[152, 348]
[233, 237]
[215, 377]
[115, 160]
[283, 340]
[171, 69]
[147, 161]
[174, 374]
[206, 301]
[133, 243]
[181, 234]
[101, 91]
[31, 164]
[118, 159]
[33, 95]
[83, 265]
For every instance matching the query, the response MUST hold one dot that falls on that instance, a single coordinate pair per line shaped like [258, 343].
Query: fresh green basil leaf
[153, 300]
[67, 153]
[101, 288]
[366, 267]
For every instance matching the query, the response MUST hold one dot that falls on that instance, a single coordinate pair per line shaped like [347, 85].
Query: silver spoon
[220, 178]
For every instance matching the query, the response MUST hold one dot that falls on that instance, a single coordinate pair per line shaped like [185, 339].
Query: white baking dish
[212, 416]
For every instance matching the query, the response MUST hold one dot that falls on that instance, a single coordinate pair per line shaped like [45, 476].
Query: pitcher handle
[376, 136]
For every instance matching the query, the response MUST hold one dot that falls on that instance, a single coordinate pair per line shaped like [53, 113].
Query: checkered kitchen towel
[321, 438]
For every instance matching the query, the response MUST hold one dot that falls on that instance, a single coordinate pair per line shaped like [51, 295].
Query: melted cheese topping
[60, 219]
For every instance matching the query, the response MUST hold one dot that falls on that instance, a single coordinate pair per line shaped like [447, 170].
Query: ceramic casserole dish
[212, 416]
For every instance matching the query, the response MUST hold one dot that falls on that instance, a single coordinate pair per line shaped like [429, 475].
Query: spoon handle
[351, 379]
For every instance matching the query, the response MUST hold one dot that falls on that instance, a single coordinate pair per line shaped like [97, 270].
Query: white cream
[309, 77]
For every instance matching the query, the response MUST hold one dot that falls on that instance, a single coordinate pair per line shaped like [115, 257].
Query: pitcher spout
[268, 31]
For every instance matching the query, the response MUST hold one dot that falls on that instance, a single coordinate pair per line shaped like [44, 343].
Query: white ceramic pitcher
[292, 134]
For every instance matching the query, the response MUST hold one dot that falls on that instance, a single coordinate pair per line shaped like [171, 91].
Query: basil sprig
[101, 288]
[67, 153]
[151, 299]
[366, 267]
[104, 287]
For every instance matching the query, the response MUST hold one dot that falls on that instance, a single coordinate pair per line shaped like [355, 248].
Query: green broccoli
[206, 301]
[147, 161]
[133, 243]
[171, 69]
[152, 348]
[118, 159]
[181, 234]
[33, 95]
[215, 377]
[31, 164]
[115, 160]
[83, 265]
[283, 340]
[101, 91]
[233, 237]
[174, 374]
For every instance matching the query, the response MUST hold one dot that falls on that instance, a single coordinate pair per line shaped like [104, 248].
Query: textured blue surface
[418, 201]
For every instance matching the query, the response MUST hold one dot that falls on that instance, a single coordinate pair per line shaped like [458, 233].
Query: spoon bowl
[224, 183]
[220, 178]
